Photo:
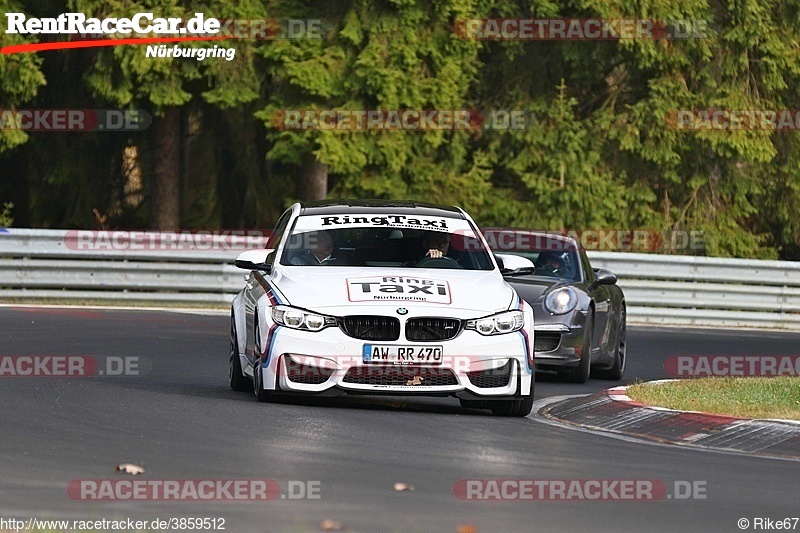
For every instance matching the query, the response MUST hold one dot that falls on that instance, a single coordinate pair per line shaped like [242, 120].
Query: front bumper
[557, 345]
[330, 363]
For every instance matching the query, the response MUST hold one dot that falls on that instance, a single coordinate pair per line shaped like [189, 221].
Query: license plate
[398, 354]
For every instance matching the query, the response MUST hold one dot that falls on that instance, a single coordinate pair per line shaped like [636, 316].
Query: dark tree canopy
[599, 150]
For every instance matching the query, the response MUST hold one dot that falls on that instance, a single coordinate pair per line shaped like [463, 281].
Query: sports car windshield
[385, 241]
[553, 263]
[552, 255]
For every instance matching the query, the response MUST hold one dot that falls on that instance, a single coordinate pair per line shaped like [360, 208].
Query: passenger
[436, 244]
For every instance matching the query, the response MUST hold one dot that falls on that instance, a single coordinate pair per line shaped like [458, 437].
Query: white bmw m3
[389, 298]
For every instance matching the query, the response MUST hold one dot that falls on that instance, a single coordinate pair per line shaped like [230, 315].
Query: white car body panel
[470, 290]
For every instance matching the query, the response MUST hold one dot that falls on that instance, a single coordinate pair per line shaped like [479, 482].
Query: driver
[320, 248]
[550, 261]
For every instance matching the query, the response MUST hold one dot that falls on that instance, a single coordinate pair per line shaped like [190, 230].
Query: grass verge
[748, 397]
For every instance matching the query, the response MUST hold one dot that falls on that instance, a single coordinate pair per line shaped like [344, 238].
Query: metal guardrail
[669, 290]
[53, 265]
[706, 291]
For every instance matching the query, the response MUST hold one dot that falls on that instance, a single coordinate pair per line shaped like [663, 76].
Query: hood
[338, 288]
[533, 288]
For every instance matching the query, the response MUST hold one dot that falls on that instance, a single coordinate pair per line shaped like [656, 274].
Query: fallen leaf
[330, 525]
[399, 487]
[467, 528]
[128, 468]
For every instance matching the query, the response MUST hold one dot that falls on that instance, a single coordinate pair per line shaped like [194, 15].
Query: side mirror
[255, 260]
[605, 277]
[514, 265]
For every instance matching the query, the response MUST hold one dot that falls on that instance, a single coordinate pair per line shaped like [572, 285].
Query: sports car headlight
[507, 322]
[561, 301]
[294, 318]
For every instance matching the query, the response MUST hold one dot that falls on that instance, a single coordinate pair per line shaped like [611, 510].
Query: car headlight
[507, 322]
[561, 301]
[294, 318]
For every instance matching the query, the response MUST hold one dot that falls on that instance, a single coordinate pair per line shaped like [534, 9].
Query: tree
[20, 77]
[601, 147]
[124, 76]
[374, 56]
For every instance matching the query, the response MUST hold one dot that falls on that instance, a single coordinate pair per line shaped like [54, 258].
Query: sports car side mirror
[255, 260]
[605, 277]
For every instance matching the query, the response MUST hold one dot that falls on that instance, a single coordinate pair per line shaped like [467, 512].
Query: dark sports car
[579, 312]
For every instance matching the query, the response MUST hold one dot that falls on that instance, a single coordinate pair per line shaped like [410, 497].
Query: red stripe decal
[43, 47]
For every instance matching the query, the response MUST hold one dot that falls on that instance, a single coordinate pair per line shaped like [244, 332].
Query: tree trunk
[312, 182]
[166, 190]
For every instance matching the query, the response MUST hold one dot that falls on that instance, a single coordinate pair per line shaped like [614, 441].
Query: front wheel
[515, 408]
[524, 406]
[581, 373]
[258, 384]
[621, 356]
[239, 382]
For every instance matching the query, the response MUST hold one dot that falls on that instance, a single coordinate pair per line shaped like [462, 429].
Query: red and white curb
[613, 411]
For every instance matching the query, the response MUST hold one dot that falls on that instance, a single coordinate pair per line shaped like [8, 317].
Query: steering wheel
[437, 262]
[546, 270]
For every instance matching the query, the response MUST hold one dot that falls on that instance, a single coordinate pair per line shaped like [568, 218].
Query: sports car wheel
[238, 381]
[620, 358]
[524, 406]
[517, 408]
[503, 407]
[581, 373]
[258, 386]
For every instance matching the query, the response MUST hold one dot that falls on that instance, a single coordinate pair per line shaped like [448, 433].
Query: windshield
[552, 255]
[554, 264]
[385, 241]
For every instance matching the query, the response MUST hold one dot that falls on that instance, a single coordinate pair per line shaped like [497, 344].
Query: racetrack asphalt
[180, 420]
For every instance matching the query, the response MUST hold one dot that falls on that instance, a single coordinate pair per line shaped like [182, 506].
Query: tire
[516, 408]
[617, 371]
[503, 407]
[524, 406]
[582, 372]
[258, 387]
[239, 382]
[261, 394]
